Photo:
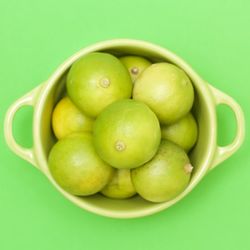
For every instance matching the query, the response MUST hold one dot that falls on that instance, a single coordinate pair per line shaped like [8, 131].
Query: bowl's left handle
[27, 100]
[223, 152]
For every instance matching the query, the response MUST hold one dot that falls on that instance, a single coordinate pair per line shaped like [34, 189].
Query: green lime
[67, 119]
[120, 186]
[183, 132]
[165, 176]
[135, 65]
[126, 134]
[166, 89]
[96, 80]
[76, 167]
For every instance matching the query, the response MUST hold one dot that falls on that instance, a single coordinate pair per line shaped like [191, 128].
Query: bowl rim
[111, 44]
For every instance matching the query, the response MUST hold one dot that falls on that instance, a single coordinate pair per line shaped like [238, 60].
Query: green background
[36, 36]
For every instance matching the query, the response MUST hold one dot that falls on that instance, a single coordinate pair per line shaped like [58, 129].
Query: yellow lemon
[67, 119]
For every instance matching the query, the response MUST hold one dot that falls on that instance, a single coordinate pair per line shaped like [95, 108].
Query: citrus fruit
[126, 134]
[165, 176]
[120, 186]
[183, 132]
[96, 80]
[76, 167]
[67, 118]
[166, 89]
[135, 65]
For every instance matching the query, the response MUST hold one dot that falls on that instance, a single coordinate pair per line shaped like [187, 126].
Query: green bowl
[204, 157]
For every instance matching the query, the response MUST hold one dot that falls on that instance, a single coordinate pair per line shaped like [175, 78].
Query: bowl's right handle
[222, 153]
[27, 100]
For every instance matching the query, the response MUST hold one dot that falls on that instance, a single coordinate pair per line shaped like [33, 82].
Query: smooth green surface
[212, 36]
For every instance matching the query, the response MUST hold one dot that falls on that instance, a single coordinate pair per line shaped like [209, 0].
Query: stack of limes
[125, 127]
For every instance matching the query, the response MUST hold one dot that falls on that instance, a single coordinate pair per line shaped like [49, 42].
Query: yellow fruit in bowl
[67, 119]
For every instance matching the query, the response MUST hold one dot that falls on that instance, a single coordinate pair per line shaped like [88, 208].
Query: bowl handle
[222, 153]
[27, 100]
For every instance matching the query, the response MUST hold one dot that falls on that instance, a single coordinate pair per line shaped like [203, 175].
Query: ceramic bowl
[204, 157]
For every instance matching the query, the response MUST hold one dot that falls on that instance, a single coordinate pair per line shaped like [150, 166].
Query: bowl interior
[199, 156]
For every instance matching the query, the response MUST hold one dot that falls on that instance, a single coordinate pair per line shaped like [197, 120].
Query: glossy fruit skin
[126, 134]
[166, 89]
[184, 132]
[76, 167]
[96, 80]
[165, 176]
[120, 186]
[135, 65]
[68, 119]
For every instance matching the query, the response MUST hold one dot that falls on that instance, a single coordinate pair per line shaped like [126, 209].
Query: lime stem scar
[135, 70]
[105, 82]
[188, 168]
[120, 146]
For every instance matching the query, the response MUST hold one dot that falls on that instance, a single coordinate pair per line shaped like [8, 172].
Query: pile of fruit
[124, 128]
